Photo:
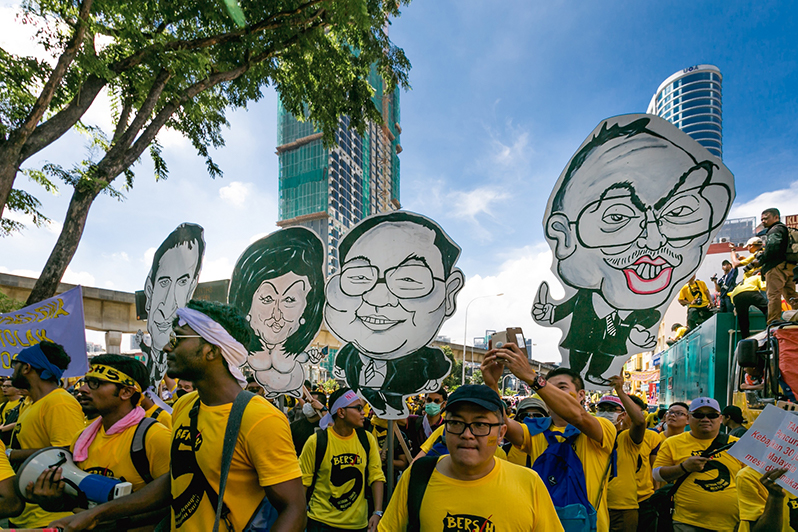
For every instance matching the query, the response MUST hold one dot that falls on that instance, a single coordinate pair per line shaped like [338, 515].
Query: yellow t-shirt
[645, 482]
[690, 292]
[164, 418]
[510, 497]
[110, 455]
[680, 332]
[339, 497]
[264, 456]
[52, 421]
[8, 406]
[6, 471]
[652, 420]
[518, 457]
[752, 497]
[620, 496]
[751, 283]
[594, 456]
[437, 433]
[709, 496]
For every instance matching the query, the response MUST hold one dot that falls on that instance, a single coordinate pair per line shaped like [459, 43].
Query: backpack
[138, 451]
[564, 476]
[322, 438]
[792, 244]
[156, 413]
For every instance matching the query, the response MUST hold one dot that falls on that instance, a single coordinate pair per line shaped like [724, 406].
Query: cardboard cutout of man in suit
[629, 221]
[396, 286]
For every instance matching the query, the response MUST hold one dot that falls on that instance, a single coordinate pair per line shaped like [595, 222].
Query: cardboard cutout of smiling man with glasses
[396, 286]
[629, 221]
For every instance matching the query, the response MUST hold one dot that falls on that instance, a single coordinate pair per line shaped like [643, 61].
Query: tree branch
[46, 96]
[124, 116]
[269, 23]
[51, 130]
[145, 111]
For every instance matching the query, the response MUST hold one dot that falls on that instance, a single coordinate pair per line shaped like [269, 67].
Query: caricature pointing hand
[542, 310]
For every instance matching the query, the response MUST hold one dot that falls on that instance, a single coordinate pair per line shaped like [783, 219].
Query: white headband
[342, 402]
[233, 352]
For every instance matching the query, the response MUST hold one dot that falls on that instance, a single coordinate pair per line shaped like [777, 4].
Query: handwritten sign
[58, 319]
[770, 443]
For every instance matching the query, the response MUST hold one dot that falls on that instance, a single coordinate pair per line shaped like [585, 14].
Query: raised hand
[542, 310]
[641, 337]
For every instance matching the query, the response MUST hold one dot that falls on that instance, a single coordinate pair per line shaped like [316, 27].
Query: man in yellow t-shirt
[336, 486]
[709, 494]
[630, 423]
[10, 504]
[112, 389]
[563, 391]
[52, 419]
[159, 414]
[9, 411]
[207, 348]
[695, 296]
[468, 489]
[763, 504]
[679, 331]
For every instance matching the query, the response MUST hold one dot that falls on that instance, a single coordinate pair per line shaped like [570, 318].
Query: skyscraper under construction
[330, 190]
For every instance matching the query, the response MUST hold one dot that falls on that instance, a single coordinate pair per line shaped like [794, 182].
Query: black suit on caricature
[407, 375]
[603, 339]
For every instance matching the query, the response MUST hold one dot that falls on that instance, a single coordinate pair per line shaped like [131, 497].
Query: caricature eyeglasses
[615, 220]
[405, 282]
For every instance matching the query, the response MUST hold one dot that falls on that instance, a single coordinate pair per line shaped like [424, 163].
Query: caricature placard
[396, 286]
[278, 284]
[629, 221]
[173, 276]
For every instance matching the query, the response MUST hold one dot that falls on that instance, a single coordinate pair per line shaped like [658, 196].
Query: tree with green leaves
[181, 65]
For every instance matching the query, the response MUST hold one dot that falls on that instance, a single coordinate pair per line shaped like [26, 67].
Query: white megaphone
[96, 488]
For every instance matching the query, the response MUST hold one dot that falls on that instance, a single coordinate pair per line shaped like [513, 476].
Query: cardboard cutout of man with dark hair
[629, 221]
[278, 284]
[396, 286]
[171, 282]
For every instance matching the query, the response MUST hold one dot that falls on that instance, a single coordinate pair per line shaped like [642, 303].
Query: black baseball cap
[477, 394]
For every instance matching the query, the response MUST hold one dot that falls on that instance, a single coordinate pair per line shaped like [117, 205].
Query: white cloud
[119, 256]
[236, 193]
[21, 272]
[149, 255]
[518, 279]
[170, 138]
[82, 278]
[480, 201]
[785, 200]
[216, 269]
[19, 38]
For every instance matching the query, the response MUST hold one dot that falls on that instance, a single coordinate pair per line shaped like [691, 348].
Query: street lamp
[465, 332]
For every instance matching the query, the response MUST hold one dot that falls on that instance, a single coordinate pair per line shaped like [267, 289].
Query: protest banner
[770, 443]
[58, 319]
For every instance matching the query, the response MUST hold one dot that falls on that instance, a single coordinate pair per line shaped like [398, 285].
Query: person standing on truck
[777, 267]
[695, 296]
[724, 285]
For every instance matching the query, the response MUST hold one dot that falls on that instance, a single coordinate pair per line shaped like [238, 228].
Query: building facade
[330, 190]
[691, 100]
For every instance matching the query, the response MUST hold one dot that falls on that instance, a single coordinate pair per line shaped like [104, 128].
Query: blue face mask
[432, 409]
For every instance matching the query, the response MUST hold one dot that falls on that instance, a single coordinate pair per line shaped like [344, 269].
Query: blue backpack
[564, 476]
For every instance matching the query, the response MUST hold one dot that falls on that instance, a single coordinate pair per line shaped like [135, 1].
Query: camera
[714, 277]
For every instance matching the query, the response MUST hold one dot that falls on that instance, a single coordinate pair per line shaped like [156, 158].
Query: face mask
[612, 416]
[432, 409]
[308, 410]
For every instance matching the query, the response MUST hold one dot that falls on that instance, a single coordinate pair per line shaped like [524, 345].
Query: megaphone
[95, 488]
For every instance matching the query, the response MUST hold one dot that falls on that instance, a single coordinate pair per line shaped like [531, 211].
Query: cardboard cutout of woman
[278, 284]
[629, 221]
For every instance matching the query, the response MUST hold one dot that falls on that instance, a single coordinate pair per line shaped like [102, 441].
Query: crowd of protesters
[463, 461]
[767, 283]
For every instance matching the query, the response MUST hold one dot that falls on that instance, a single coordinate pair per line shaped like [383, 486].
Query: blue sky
[502, 95]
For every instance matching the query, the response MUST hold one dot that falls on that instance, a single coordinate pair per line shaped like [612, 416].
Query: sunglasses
[710, 415]
[174, 338]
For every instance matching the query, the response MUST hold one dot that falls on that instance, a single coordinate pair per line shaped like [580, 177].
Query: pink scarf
[86, 437]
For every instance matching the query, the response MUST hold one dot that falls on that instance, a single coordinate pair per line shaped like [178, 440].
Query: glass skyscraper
[691, 100]
[330, 190]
